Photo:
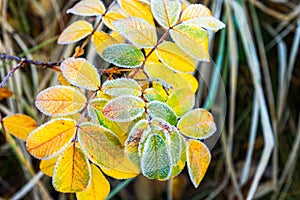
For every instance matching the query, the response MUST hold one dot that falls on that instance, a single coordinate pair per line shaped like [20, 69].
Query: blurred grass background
[257, 56]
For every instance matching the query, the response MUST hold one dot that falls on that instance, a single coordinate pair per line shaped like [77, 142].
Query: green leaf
[198, 159]
[156, 158]
[124, 108]
[138, 31]
[157, 109]
[151, 94]
[123, 55]
[178, 149]
[198, 123]
[166, 12]
[132, 143]
[181, 101]
[191, 39]
[121, 86]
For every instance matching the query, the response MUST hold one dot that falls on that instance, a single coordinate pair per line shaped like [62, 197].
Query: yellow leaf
[60, 100]
[62, 80]
[209, 23]
[75, 32]
[81, 73]
[191, 80]
[195, 11]
[117, 36]
[5, 93]
[198, 159]
[172, 56]
[88, 8]
[167, 77]
[98, 189]
[72, 171]
[19, 125]
[138, 31]
[166, 12]
[135, 8]
[192, 39]
[121, 171]
[112, 16]
[47, 166]
[51, 138]
[104, 148]
[102, 40]
[152, 57]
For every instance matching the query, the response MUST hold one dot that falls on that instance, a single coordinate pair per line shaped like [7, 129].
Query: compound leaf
[172, 56]
[102, 40]
[81, 73]
[198, 123]
[75, 32]
[195, 11]
[51, 138]
[19, 125]
[166, 12]
[121, 86]
[181, 101]
[47, 166]
[192, 39]
[99, 187]
[72, 171]
[87, 8]
[156, 161]
[138, 31]
[124, 108]
[198, 159]
[123, 55]
[157, 109]
[60, 100]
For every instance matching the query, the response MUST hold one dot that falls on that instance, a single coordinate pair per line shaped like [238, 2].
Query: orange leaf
[72, 171]
[19, 125]
[75, 32]
[5, 93]
[51, 138]
[60, 100]
[198, 159]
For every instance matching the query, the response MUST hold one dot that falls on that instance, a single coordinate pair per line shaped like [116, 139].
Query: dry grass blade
[253, 64]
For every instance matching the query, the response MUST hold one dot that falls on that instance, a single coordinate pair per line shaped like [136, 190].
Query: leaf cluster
[144, 121]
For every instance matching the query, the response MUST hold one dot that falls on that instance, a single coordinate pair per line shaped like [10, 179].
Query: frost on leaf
[87, 8]
[157, 109]
[198, 123]
[60, 100]
[123, 55]
[124, 108]
[121, 86]
[51, 138]
[81, 73]
[72, 171]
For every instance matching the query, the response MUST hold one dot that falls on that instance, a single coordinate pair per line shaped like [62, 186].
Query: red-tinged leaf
[19, 125]
[198, 159]
[51, 138]
[60, 100]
